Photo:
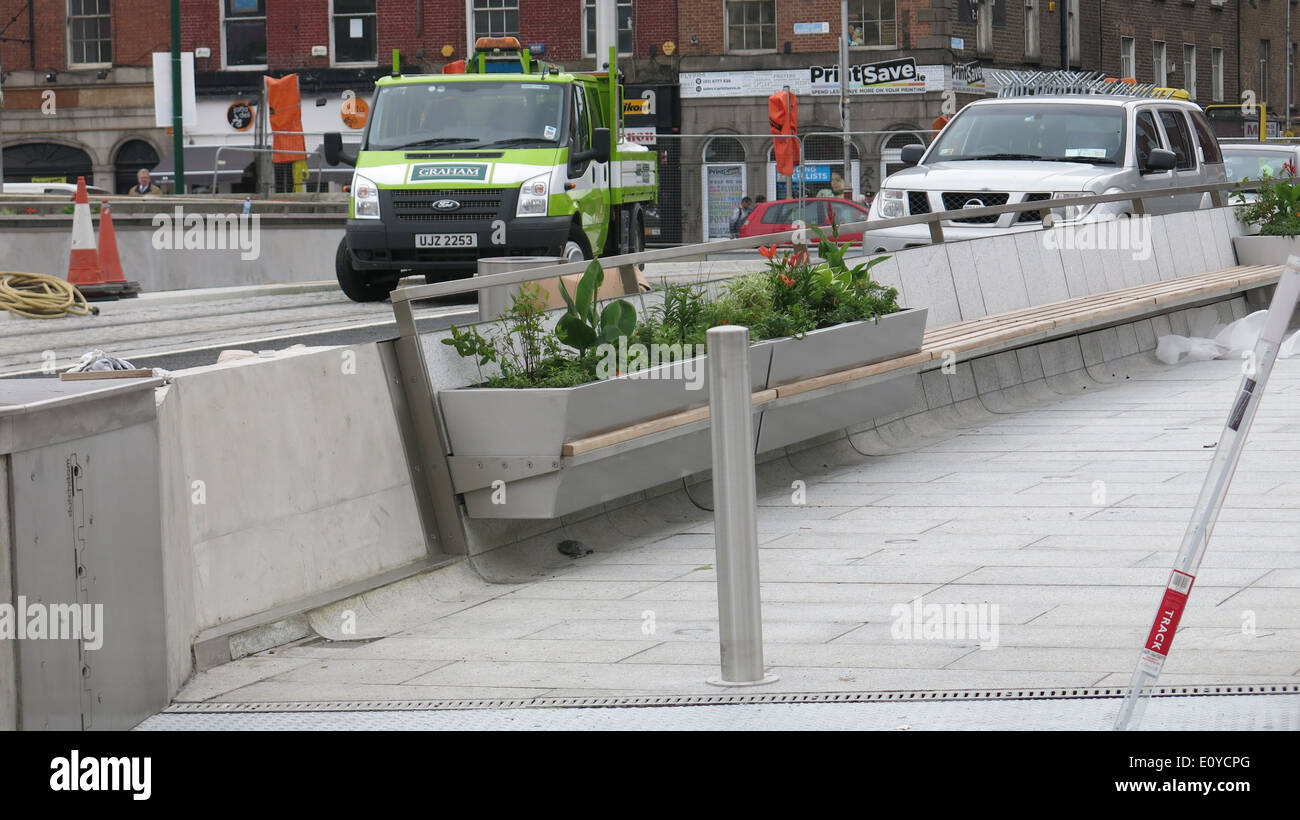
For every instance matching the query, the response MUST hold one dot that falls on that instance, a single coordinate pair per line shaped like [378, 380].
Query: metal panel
[486, 421]
[87, 531]
[793, 423]
[843, 347]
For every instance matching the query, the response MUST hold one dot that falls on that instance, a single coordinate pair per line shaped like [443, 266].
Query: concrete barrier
[287, 250]
[284, 480]
[8, 665]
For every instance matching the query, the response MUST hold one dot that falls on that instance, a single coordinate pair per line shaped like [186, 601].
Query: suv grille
[1033, 216]
[476, 204]
[918, 202]
[955, 201]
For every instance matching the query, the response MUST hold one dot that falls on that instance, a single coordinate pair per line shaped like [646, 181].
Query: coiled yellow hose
[41, 296]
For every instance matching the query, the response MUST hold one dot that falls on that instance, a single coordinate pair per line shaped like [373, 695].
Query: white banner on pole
[162, 90]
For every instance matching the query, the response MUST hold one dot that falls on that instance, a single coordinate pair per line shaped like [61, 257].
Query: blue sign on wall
[816, 173]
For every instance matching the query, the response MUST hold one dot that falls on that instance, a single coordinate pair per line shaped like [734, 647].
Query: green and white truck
[512, 157]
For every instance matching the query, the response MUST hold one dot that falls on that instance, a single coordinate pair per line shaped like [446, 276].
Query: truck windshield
[467, 115]
[1061, 133]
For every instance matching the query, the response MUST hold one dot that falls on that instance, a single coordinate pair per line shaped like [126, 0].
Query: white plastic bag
[1228, 341]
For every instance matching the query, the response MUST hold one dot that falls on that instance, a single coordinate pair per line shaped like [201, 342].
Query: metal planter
[506, 444]
[1265, 250]
[831, 350]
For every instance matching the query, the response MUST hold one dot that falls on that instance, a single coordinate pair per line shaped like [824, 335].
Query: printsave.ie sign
[436, 173]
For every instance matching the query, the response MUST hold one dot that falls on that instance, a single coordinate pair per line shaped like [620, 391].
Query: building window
[1263, 70]
[1189, 70]
[625, 34]
[751, 25]
[1127, 57]
[891, 154]
[245, 32]
[823, 165]
[724, 184]
[872, 23]
[1159, 68]
[90, 40]
[496, 18]
[1032, 37]
[354, 32]
[1216, 74]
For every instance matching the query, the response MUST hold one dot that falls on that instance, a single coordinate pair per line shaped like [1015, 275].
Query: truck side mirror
[334, 153]
[911, 154]
[1160, 159]
[600, 139]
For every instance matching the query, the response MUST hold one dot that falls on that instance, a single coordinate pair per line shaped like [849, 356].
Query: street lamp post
[844, 97]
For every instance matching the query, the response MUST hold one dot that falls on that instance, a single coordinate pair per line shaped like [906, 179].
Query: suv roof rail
[1046, 83]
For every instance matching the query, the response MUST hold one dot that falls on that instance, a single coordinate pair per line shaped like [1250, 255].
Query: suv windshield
[467, 115]
[1061, 133]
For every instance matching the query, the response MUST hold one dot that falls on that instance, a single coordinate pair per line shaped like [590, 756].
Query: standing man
[738, 216]
[144, 185]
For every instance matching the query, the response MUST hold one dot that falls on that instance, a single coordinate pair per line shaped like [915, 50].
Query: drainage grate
[723, 700]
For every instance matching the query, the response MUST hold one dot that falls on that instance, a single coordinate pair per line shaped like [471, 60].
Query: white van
[51, 188]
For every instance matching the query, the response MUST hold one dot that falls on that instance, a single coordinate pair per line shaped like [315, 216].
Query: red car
[780, 215]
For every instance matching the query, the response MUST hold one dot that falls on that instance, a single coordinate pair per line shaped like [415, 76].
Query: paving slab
[978, 558]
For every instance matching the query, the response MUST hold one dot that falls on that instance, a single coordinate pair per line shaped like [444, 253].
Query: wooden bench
[984, 336]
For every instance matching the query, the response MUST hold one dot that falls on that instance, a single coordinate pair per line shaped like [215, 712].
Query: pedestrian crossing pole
[1256, 369]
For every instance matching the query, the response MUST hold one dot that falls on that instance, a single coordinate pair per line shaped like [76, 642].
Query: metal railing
[402, 297]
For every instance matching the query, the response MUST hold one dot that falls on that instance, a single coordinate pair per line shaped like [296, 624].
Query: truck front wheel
[575, 248]
[361, 286]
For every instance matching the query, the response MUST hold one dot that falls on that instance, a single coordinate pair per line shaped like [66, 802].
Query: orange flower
[767, 251]
[800, 258]
[787, 281]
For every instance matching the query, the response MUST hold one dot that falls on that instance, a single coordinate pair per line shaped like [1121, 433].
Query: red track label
[1171, 610]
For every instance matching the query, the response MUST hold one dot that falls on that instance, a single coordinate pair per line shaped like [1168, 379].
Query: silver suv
[1025, 149]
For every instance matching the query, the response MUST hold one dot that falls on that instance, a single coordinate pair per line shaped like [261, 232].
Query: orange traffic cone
[109, 261]
[83, 264]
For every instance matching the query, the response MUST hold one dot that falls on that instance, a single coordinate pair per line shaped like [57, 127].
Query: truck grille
[476, 204]
[918, 202]
[1033, 216]
[956, 200]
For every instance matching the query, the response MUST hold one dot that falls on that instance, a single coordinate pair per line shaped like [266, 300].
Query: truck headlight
[533, 196]
[893, 204]
[365, 198]
[1071, 213]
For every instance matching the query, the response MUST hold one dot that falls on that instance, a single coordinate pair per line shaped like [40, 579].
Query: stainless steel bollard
[494, 301]
[740, 618]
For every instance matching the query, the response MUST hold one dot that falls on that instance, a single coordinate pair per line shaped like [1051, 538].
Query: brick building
[96, 56]
[1262, 63]
[1192, 46]
[78, 94]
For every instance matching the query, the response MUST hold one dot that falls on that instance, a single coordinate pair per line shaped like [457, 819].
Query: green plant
[521, 347]
[681, 317]
[793, 296]
[584, 324]
[1276, 208]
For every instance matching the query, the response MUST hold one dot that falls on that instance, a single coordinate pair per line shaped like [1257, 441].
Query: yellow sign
[639, 106]
[49, 179]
